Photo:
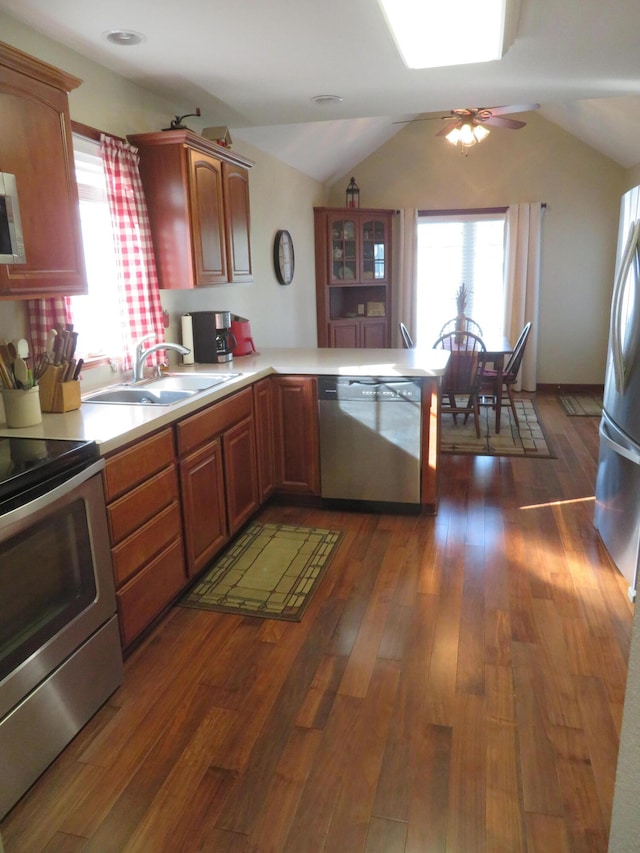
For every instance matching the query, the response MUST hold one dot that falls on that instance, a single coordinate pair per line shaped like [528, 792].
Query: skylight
[435, 33]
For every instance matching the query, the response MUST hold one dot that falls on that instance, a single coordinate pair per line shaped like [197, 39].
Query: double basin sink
[165, 391]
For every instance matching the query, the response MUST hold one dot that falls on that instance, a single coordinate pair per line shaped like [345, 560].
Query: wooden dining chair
[463, 376]
[407, 340]
[470, 326]
[489, 386]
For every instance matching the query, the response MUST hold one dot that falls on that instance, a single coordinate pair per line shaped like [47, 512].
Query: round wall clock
[283, 257]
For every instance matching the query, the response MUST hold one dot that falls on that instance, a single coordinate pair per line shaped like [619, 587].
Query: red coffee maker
[241, 340]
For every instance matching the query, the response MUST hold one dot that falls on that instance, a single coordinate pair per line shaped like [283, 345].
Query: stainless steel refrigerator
[617, 510]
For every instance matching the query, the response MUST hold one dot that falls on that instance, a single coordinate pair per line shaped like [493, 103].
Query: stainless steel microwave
[11, 240]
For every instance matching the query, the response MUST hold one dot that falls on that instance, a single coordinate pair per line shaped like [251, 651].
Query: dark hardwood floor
[456, 685]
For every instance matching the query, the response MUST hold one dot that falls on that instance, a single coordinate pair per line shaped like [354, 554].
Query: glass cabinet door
[373, 254]
[343, 265]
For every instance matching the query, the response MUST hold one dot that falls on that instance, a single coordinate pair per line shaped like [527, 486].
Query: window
[453, 249]
[96, 316]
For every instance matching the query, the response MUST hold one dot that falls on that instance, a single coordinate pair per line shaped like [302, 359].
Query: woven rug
[581, 405]
[271, 570]
[530, 441]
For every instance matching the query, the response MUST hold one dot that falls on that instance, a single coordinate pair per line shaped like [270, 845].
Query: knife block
[57, 396]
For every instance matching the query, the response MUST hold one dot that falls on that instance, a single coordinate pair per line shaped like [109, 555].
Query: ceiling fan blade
[424, 118]
[500, 121]
[513, 108]
[448, 128]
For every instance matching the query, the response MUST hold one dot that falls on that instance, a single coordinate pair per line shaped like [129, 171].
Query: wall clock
[283, 257]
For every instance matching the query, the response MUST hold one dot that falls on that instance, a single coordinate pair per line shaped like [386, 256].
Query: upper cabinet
[36, 147]
[198, 198]
[353, 277]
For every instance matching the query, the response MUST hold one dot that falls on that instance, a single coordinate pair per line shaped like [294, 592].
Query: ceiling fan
[467, 125]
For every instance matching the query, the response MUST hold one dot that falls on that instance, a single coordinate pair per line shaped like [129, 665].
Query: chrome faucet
[142, 354]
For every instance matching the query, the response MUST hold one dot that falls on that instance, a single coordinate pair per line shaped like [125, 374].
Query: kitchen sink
[164, 391]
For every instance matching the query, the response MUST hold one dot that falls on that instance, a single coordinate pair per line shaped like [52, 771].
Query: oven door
[56, 580]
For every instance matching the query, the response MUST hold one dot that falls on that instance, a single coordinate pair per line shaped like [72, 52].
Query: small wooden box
[57, 396]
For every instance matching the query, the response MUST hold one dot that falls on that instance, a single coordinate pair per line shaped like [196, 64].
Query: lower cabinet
[218, 475]
[297, 442]
[265, 438]
[143, 511]
[202, 493]
[358, 332]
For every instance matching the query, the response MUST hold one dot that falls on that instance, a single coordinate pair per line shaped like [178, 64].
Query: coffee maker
[212, 338]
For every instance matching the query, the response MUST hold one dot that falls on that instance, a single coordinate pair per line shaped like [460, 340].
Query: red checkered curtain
[141, 310]
[43, 315]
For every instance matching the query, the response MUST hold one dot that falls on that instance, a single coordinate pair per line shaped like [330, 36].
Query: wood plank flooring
[456, 685]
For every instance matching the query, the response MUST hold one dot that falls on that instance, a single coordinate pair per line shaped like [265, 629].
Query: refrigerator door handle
[622, 446]
[627, 259]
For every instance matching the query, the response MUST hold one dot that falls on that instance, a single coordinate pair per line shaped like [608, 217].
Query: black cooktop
[26, 463]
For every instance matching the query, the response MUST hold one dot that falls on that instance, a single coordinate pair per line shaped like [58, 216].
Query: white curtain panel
[407, 274]
[523, 238]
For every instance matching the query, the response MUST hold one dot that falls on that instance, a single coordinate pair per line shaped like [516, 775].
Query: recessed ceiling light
[124, 37]
[327, 99]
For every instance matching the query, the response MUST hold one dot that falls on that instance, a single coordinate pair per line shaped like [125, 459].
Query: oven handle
[54, 495]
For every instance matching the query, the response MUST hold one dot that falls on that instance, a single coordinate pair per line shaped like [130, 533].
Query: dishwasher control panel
[375, 388]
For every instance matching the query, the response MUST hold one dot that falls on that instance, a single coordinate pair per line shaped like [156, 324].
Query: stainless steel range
[60, 655]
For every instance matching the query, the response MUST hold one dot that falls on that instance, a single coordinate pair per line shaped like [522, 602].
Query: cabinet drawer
[132, 510]
[205, 425]
[137, 549]
[130, 467]
[149, 592]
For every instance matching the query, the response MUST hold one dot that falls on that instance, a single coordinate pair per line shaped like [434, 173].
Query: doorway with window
[455, 248]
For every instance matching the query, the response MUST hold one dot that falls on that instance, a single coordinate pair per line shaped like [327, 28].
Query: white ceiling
[254, 65]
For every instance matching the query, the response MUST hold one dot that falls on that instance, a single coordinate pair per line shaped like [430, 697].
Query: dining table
[497, 348]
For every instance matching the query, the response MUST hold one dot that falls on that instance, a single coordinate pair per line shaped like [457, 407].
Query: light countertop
[112, 426]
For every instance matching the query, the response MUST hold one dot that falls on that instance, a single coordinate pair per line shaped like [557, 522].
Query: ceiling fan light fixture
[467, 134]
[435, 34]
[481, 132]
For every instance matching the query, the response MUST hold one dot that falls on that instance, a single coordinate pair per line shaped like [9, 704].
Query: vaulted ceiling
[255, 66]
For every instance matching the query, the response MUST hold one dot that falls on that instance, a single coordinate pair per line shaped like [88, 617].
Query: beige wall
[543, 163]
[281, 197]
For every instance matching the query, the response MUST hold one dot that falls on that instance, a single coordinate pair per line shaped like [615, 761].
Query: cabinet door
[241, 478]
[265, 446]
[343, 249]
[297, 437]
[238, 221]
[373, 334]
[35, 146]
[374, 243]
[207, 219]
[344, 334]
[203, 505]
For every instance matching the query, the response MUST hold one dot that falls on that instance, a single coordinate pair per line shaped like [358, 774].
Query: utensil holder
[57, 396]
[21, 408]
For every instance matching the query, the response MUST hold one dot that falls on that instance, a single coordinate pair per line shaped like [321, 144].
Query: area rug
[271, 570]
[530, 441]
[581, 405]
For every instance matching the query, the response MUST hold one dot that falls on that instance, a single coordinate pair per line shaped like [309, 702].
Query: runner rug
[271, 570]
[581, 405]
[529, 441]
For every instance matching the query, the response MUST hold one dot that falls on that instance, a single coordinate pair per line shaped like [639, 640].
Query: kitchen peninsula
[181, 480]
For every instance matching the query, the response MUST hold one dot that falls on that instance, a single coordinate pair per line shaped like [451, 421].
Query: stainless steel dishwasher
[370, 438]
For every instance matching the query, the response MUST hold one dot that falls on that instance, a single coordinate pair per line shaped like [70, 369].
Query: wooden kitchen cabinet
[353, 277]
[297, 442]
[218, 475]
[36, 147]
[265, 437]
[197, 194]
[145, 526]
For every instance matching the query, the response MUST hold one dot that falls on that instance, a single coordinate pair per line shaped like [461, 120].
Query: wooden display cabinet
[353, 277]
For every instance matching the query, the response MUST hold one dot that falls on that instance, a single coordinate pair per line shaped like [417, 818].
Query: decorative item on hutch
[353, 194]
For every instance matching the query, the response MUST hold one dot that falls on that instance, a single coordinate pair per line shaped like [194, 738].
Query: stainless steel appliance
[370, 438]
[212, 337]
[617, 509]
[60, 655]
[11, 240]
